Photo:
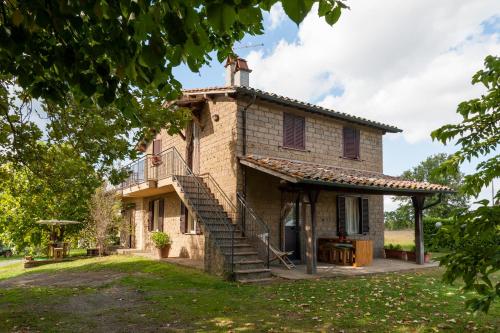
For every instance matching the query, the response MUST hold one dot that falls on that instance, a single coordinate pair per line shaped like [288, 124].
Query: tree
[104, 218]
[113, 61]
[476, 233]
[402, 217]
[62, 193]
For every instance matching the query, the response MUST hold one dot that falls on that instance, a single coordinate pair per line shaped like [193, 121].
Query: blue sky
[409, 66]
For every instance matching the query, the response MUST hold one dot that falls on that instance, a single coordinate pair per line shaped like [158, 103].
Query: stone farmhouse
[254, 169]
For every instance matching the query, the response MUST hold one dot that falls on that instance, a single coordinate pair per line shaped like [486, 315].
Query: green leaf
[333, 16]
[221, 16]
[297, 9]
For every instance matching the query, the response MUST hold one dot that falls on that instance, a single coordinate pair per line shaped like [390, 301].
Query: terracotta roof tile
[308, 107]
[302, 172]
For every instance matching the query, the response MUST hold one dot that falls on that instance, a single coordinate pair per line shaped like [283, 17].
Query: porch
[324, 270]
[337, 204]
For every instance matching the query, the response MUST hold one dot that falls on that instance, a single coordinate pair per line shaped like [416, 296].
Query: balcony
[152, 174]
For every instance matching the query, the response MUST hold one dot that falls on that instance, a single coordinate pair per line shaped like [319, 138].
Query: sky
[405, 63]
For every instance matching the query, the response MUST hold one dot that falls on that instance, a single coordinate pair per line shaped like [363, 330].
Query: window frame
[296, 135]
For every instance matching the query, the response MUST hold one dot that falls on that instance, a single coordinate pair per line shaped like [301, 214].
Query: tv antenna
[247, 46]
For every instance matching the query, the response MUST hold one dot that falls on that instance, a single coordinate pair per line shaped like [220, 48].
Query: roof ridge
[298, 103]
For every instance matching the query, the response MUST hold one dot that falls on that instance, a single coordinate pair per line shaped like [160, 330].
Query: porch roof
[300, 172]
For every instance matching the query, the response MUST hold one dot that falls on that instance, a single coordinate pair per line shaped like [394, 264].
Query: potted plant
[395, 252]
[162, 243]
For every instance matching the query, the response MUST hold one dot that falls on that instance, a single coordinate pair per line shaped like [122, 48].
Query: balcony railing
[139, 171]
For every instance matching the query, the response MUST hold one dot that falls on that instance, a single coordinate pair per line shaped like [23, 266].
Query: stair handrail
[254, 228]
[221, 196]
[200, 186]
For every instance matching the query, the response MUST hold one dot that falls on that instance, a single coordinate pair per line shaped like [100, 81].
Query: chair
[278, 255]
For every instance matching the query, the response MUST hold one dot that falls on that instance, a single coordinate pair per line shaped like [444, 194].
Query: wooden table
[361, 253]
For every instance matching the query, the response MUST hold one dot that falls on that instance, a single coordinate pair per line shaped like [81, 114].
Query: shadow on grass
[169, 297]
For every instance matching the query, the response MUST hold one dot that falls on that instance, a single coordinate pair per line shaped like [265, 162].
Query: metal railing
[220, 196]
[170, 163]
[254, 229]
[202, 189]
[139, 171]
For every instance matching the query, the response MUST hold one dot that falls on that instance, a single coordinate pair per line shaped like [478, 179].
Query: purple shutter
[161, 210]
[151, 215]
[341, 228]
[156, 147]
[183, 218]
[293, 131]
[365, 216]
[351, 142]
[299, 132]
[288, 129]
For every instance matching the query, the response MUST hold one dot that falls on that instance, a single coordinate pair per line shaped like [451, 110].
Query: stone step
[252, 274]
[245, 263]
[256, 281]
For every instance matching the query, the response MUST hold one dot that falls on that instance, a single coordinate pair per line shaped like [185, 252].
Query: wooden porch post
[418, 205]
[311, 239]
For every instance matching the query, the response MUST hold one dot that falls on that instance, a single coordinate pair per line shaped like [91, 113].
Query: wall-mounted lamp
[215, 117]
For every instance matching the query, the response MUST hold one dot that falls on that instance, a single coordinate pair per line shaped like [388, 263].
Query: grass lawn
[127, 294]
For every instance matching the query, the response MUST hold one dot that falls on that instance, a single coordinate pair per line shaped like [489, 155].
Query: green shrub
[160, 239]
[432, 240]
[396, 247]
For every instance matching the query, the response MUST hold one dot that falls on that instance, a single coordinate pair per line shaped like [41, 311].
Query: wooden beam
[311, 244]
[418, 206]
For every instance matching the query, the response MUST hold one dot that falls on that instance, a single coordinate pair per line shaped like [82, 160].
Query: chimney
[237, 72]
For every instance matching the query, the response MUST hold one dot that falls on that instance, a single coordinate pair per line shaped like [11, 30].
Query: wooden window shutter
[151, 215]
[288, 127]
[299, 132]
[183, 222]
[341, 228]
[365, 216]
[351, 142]
[156, 147]
[293, 131]
[161, 211]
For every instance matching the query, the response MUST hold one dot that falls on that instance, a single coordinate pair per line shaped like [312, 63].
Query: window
[351, 142]
[156, 214]
[156, 211]
[352, 215]
[191, 224]
[293, 131]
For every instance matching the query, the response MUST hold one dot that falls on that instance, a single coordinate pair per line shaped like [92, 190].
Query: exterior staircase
[241, 258]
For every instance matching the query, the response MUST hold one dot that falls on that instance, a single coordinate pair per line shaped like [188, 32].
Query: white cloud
[407, 65]
[276, 16]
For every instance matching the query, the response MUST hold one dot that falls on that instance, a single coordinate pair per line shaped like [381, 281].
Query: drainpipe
[244, 129]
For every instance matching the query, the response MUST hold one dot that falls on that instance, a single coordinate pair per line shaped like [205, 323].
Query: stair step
[263, 280]
[243, 253]
[253, 270]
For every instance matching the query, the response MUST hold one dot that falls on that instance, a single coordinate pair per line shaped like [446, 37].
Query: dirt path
[9, 262]
[62, 279]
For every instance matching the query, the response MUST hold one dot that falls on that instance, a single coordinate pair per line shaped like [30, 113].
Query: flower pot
[411, 256]
[163, 252]
[427, 257]
[395, 254]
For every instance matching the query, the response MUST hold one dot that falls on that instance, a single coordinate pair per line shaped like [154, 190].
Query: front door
[292, 232]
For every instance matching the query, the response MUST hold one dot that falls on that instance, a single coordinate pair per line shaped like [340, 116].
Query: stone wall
[183, 245]
[323, 138]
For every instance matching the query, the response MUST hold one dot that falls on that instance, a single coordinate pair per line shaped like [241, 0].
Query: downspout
[244, 139]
